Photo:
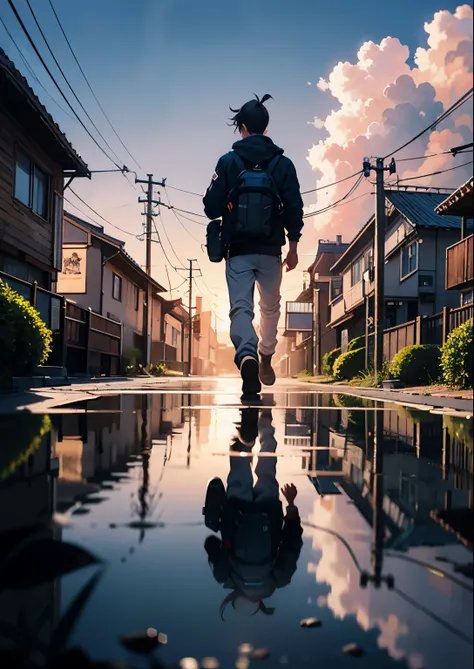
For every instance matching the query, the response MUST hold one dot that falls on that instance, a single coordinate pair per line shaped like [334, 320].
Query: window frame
[136, 297]
[116, 276]
[404, 248]
[35, 166]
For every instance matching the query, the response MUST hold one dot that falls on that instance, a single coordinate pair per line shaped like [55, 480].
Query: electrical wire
[67, 82]
[126, 232]
[464, 98]
[164, 250]
[334, 204]
[178, 218]
[88, 83]
[334, 183]
[169, 243]
[432, 174]
[32, 72]
[35, 48]
[433, 155]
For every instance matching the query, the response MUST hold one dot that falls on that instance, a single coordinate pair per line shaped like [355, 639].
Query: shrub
[457, 357]
[130, 360]
[460, 429]
[416, 365]
[369, 379]
[358, 342]
[21, 437]
[350, 364]
[158, 370]
[328, 361]
[25, 341]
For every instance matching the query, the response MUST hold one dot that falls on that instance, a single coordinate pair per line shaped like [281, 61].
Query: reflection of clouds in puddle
[336, 569]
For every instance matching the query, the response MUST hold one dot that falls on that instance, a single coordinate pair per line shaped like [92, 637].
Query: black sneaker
[251, 385]
[266, 371]
[214, 505]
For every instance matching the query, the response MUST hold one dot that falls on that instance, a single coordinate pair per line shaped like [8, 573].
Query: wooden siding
[22, 232]
[459, 264]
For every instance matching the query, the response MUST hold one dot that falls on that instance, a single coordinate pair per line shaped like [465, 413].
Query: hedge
[25, 341]
[416, 365]
[358, 342]
[328, 361]
[350, 364]
[21, 437]
[457, 357]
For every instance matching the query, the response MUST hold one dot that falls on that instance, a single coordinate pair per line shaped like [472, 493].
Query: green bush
[21, 437]
[460, 429]
[131, 358]
[350, 364]
[158, 370]
[416, 365]
[328, 361]
[457, 357]
[25, 341]
[358, 342]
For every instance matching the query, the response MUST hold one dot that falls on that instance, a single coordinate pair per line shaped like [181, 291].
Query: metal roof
[460, 202]
[332, 247]
[419, 208]
[21, 90]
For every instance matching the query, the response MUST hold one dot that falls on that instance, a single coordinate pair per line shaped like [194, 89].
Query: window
[466, 298]
[409, 259]
[31, 185]
[356, 272]
[136, 297]
[336, 287]
[58, 232]
[174, 337]
[117, 287]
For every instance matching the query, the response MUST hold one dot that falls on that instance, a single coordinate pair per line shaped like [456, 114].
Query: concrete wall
[172, 322]
[123, 310]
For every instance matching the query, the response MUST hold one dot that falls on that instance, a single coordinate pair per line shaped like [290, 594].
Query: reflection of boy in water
[260, 544]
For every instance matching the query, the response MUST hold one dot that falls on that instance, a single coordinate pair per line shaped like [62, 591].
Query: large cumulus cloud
[381, 102]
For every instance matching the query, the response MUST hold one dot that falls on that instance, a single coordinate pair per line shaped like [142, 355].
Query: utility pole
[190, 321]
[380, 225]
[149, 201]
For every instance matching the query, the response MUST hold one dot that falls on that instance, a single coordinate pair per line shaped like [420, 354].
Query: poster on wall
[72, 279]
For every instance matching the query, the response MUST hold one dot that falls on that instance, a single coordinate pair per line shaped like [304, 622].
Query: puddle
[384, 561]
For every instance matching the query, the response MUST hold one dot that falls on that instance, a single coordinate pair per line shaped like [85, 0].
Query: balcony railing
[459, 263]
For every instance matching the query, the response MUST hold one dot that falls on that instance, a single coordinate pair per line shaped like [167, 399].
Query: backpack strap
[273, 164]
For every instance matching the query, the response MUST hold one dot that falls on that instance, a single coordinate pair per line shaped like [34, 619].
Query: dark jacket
[258, 150]
[286, 533]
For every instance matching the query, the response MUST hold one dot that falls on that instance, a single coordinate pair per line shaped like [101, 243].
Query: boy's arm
[290, 547]
[292, 213]
[216, 195]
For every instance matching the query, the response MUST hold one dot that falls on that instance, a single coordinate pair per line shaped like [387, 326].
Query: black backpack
[253, 202]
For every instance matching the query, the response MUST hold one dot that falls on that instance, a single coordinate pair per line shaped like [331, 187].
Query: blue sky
[166, 71]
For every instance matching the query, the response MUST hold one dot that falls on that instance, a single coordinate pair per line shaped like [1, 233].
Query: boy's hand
[291, 261]
[289, 492]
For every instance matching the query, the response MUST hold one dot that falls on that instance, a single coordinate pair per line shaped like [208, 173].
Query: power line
[432, 174]
[31, 71]
[191, 213]
[464, 98]
[182, 190]
[126, 232]
[35, 48]
[178, 218]
[334, 204]
[89, 85]
[334, 183]
[67, 81]
[163, 248]
[169, 242]
[432, 155]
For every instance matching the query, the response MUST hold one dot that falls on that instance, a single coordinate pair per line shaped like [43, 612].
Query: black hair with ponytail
[253, 115]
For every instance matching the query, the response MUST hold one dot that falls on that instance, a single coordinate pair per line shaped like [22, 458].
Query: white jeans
[242, 273]
[240, 484]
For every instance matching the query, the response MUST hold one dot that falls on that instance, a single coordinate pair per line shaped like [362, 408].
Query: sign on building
[73, 277]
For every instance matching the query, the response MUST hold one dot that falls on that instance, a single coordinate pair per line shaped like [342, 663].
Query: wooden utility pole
[380, 225]
[190, 319]
[149, 201]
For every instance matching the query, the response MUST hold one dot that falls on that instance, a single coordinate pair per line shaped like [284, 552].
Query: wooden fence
[84, 342]
[424, 330]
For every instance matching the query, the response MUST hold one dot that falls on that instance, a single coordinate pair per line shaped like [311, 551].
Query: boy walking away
[255, 191]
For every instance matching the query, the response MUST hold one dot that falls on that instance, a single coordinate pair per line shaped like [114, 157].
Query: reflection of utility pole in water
[188, 461]
[143, 501]
[378, 517]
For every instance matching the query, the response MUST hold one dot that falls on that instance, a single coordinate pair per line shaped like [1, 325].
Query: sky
[348, 79]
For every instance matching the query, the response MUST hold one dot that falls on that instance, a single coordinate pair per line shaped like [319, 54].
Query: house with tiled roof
[35, 159]
[416, 239]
